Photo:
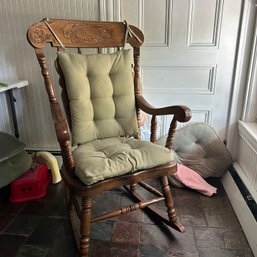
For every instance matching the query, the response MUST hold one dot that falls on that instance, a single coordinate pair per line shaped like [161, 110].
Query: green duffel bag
[14, 160]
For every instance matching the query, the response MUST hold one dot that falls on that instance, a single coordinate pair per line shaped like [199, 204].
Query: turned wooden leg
[85, 226]
[70, 198]
[71, 206]
[133, 188]
[169, 204]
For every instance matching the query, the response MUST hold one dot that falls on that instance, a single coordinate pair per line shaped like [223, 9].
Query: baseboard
[55, 152]
[243, 212]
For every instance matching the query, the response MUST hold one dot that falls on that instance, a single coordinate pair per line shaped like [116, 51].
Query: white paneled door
[188, 54]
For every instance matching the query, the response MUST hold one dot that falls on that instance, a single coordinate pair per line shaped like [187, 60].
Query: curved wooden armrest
[181, 112]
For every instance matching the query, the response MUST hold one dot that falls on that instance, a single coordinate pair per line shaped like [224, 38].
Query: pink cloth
[193, 180]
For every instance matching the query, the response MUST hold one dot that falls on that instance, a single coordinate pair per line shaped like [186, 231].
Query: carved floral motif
[77, 32]
[39, 36]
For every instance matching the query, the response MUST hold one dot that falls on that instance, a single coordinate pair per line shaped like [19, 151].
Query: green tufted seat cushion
[100, 90]
[111, 157]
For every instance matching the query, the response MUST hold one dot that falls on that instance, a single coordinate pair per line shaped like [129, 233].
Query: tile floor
[40, 228]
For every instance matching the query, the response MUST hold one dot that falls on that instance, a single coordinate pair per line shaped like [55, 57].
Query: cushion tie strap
[131, 33]
[45, 20]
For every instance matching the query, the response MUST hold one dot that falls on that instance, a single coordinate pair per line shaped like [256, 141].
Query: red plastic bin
[30, 186]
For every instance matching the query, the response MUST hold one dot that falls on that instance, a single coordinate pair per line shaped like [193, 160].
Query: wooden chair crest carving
[100, 35]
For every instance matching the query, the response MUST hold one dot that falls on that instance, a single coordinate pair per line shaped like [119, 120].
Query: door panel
[203, 26]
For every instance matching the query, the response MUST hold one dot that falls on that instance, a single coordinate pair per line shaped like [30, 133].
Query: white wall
[18, 61]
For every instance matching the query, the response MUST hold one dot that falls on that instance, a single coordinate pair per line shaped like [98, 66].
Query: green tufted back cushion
[100, 90]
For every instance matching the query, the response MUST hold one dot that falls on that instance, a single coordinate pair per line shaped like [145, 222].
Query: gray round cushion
[198, 147]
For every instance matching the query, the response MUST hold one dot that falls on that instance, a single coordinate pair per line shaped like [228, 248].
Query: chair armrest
[181, 112]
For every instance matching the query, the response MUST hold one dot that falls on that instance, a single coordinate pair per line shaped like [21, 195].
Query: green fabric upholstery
[101, 94]
[12, 146]
[111, 157]
[14, 160]
[14, 167]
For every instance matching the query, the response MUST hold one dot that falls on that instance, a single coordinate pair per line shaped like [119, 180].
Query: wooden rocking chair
[102, 99]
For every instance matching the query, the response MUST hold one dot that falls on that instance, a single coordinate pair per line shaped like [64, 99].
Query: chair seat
[106, 158]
